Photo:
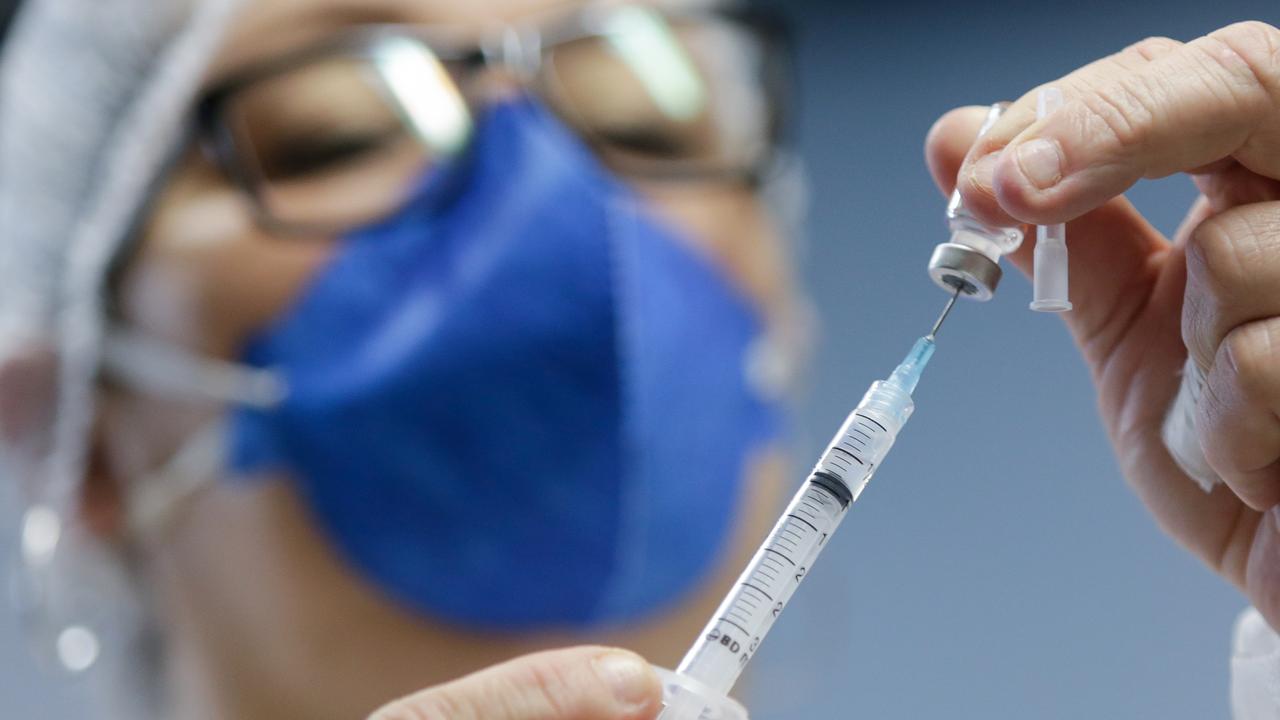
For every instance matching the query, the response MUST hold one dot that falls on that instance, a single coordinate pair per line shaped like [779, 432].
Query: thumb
[1113, 251]
[583, 683]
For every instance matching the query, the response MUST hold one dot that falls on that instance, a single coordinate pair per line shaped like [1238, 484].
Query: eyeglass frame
[519, 49]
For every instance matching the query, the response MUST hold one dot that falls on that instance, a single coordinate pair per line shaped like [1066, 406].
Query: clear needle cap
[1049, 277]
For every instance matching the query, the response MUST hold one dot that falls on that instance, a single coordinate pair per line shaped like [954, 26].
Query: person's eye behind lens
[314, 118]
[325, 145]
[651, 141]
[306, 154]
[649, 93]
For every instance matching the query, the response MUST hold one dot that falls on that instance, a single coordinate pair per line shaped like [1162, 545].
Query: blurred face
[265, 620]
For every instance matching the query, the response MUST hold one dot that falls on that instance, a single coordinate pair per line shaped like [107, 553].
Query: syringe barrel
[739, 625]
[747, 613]
[1049, 278]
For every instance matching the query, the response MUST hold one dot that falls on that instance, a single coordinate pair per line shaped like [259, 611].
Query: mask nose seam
[630, 548]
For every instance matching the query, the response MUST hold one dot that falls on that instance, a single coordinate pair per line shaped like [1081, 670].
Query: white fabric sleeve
[1255, 669]
[1179, 430]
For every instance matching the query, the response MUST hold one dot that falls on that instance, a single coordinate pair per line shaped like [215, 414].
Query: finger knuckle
[1237, 251]
[1251, 48]
[548, 683]
[1152, 47]
[1120, 111]
[1252, 355]
[1253, 39]
[435, 707]
[1214, 260]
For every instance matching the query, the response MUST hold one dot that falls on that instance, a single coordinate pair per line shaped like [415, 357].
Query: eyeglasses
[338, 134]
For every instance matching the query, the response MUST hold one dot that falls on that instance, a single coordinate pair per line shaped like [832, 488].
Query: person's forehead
[266, 28]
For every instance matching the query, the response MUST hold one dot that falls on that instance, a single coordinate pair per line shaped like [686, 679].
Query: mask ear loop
[155, 499]
[157, 366]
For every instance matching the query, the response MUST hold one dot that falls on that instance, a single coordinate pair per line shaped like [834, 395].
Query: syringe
[731, 638]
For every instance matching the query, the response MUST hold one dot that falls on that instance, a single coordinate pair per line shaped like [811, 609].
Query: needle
[945, 312]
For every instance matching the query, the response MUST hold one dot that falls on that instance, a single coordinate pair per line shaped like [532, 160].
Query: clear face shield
[328, 139]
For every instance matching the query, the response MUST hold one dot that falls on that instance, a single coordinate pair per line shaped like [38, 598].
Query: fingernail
[1040, 162]
[627, 676]
[983, 172]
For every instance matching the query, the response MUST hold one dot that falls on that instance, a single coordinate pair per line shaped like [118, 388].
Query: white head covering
[93, 101]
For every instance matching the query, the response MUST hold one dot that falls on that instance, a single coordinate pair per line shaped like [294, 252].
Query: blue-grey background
[997, 567]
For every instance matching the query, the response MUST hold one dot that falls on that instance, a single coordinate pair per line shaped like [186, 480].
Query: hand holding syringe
[699, 688]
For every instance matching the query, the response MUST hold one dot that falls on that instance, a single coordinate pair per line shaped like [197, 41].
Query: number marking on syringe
[763, 593]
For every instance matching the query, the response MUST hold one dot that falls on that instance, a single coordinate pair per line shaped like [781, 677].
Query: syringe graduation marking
[861, 417]
[775, 552]
[778, 568]
[806, 522]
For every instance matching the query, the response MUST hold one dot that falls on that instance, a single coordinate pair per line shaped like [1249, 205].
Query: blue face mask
[520, 402]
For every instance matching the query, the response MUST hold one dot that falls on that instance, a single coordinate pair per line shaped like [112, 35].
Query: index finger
[1214, 98]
